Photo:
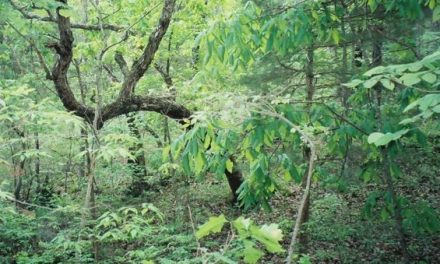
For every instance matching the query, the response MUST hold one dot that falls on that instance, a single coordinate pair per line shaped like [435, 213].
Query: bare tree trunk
[310, 81]
[37, 162]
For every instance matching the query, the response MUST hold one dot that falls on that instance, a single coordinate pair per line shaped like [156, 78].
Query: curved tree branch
[164, 105]
[126, 102]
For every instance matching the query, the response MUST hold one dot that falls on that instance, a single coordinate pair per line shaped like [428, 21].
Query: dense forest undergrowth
[219, 131]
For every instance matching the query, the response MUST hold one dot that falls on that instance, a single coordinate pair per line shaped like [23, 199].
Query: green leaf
[229, 165]
[429, 100]
[242, 225]
[415, 67]
[166, 153]
[335, 36]
[269, 236]
[214, 225]
[387, 84]
[353, 83]
[185, 164]
[374, 71]
[429, 77]
[380, 139]
[66, 12]
[207, 141]
[250, 253]
[436, 109]
[410, 79]
[371, 82]
[199, 162]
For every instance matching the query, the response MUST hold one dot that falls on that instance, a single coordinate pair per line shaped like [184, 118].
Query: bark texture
[126, 101]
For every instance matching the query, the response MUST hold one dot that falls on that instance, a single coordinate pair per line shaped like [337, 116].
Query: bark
[37, 162]
[126, 102]
[310, 81]
[235, 179]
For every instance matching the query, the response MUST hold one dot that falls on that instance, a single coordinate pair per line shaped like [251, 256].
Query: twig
[194, 230]
[40, 56]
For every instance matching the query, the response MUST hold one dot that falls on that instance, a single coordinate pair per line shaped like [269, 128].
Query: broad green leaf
[409, 79]
[335, 36]
[374, 71]
[166, 153]
[428, 101]
[429, 77]
[380, 139]
[242, 225]
[387, 84]
[353, 83]
[250, 253]
[269, 236]
[66, 12]
[185, 164]
[436, 109]
[411, 106]
[415, 67]
[199, 162]
[214, 225]
[207, 141]
[371, 82]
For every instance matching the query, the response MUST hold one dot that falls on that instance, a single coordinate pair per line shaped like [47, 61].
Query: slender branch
[121, 63]
[110, 73]
[165, 75]
[40, 56]
[51, 19]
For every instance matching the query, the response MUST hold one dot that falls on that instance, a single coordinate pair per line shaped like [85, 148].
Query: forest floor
[337, 231]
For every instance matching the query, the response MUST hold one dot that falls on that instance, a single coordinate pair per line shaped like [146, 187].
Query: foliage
[359, 79]
[248, 234]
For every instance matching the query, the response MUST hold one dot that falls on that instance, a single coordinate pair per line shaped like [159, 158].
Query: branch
[121, 63]
[110, 73]
[51, 19]
[40, 56]
[153, 133]
[126, 102]
[160, 104]
[166, 77]
[140, 66]
[59, 72]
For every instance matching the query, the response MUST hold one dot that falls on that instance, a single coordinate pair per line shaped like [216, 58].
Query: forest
[219, 131]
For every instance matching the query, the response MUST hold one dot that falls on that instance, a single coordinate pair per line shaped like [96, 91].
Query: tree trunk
[235, 179]
[310, 81]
